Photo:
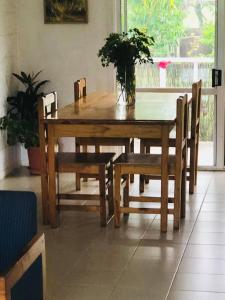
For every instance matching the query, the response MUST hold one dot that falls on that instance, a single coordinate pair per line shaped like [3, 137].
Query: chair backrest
[80, 89]
[195, 108]
[181, 128]
[18, 226]
[47, 105]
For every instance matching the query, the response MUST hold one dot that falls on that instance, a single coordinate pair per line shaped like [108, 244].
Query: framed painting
[65, 11]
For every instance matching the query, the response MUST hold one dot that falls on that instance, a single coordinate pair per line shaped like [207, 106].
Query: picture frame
[65, 11]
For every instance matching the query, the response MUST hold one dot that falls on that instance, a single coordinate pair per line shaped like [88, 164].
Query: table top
[102, 107]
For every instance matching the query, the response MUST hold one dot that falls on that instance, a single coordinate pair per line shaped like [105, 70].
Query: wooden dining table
[100, 115]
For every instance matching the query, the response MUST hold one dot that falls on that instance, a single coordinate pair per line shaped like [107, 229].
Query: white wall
[9, 156]
[65, 52]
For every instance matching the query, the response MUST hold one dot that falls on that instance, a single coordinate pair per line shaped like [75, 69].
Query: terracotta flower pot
[34, 160]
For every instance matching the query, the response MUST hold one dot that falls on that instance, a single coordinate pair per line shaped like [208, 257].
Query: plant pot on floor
[34, 160]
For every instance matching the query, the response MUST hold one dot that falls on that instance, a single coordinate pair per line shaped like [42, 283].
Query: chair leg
[77, 182]
[110, 192]
[126, 194]
[45, 208]
[183, 185]
[129, 148]
[164, 179]
[179, 181]
[183, 194]
[85, 149]
[141, 183]
[192, 167]
[77, 175]
[97, 149]
[196, 160]
[102, 193]
[177, 207]
[147, 150]
[132, 151]
[117, 196]
[141, 177]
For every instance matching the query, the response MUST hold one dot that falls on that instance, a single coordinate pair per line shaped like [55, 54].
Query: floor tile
[217, 184]
[209, 238]
[191, 215]
[92, 277]
[205, 251]
[162, 249]
[210, 226]
[172, 237]
[124, 248]
[202, 266]
[211, 216]
[81, 292]
[121, 293]
[214, 197]
[102, 262]
[199, 282]
[189, 295]
[160, 280]
[217, 206]
[185, 226]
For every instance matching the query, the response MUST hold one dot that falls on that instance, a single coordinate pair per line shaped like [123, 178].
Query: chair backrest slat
[195, 108]
[181, 128]
[80, 89]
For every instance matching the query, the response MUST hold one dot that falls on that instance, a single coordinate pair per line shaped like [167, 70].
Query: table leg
[52, 177]
[44, 174]
[44, 192]
[165, 177]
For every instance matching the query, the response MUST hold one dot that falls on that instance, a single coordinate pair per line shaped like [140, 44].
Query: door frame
[220, 91]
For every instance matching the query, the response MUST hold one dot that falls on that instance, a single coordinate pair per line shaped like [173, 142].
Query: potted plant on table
[21, 120]
[124, 51]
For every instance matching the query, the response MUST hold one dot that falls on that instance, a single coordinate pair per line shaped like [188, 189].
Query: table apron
[107, 130]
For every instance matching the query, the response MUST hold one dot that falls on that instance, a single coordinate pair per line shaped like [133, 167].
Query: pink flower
[163, 64]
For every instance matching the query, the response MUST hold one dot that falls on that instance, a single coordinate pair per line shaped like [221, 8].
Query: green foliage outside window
[162, 18]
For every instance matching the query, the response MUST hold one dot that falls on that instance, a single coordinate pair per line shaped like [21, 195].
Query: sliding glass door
[186, 49]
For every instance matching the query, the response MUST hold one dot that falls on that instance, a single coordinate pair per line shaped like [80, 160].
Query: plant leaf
[39, 85]
[21, 79]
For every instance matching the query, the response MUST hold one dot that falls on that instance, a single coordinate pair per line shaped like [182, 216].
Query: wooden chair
[193, 140]
[192, 144]
[150, 164]
[98, 165]
[80, 90]
[22, 249]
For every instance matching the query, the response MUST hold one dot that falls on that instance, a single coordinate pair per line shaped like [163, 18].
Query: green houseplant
[21, 120]
[124, 51]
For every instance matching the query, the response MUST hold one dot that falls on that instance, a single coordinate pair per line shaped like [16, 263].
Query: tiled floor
[136, 262]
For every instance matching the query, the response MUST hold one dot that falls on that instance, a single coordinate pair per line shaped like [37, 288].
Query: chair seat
[84, 158]
[145, 160]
